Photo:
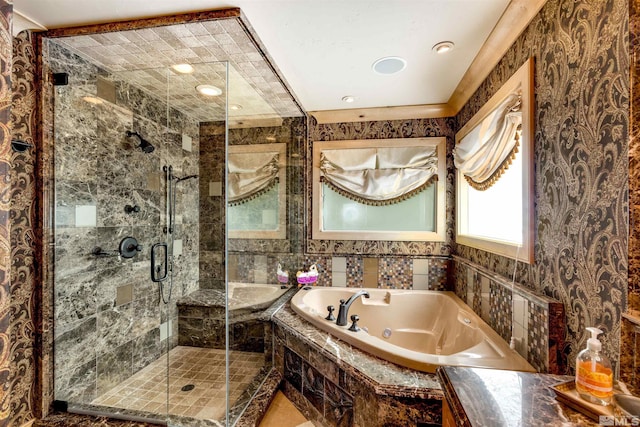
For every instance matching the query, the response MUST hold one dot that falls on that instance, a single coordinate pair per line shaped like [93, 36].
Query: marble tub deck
[335, 384]
[385, 377]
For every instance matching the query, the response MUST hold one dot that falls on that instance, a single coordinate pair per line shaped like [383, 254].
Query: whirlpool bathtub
[416, 329]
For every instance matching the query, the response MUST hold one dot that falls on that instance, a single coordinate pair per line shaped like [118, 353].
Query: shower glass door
[176, 219]
[128, 220]
[197, 343]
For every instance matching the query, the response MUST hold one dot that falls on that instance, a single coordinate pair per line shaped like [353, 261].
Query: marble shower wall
[108, 312]
[250, 260]
[581, 51]
[212, 160]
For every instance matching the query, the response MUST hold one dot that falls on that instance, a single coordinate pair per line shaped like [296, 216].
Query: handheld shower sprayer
[145, 145]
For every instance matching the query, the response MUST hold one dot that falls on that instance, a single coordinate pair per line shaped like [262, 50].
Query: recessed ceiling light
[349, 98]
[389, 65]
[443, 47]
[209, 90]
[235, 107]
[182, 68]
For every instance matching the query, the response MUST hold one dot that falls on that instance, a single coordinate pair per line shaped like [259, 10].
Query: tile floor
[282, 413]
[204, 368]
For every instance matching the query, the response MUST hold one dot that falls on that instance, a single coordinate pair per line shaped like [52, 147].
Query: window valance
[250, 175]
[487, 151]
[379, 176]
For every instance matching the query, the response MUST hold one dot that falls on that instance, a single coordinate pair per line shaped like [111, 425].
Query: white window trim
[521, 80]
[434, 236]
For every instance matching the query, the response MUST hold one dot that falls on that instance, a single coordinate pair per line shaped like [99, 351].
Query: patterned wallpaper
[634, 159]
[23, 234]
[6, 9]
[581, 49]
[382, 130]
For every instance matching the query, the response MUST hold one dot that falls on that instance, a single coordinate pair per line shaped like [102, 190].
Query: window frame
[522, 81]
[281, 231]
[439, 235]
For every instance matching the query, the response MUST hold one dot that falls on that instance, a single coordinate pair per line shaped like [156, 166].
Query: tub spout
[344, 307]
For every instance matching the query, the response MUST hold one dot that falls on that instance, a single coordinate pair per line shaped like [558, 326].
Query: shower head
[145, 145]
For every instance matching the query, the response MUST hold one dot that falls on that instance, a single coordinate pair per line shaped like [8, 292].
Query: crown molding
[425, 111]
[514, 20]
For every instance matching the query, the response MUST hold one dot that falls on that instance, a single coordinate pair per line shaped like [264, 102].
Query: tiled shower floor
[204, 368]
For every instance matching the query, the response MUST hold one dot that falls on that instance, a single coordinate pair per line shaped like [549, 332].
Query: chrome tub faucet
[344, 307]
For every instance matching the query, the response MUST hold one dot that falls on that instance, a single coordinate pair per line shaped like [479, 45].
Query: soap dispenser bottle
[594, 377]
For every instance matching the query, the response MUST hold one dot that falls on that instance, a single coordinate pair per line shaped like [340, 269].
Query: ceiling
[324, 49]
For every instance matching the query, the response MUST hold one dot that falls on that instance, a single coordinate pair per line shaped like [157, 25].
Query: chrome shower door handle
[164, 264]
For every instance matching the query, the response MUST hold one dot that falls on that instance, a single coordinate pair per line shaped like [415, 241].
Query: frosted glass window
[258, 214]
[415, 213]
[263, 214]
[419, 217]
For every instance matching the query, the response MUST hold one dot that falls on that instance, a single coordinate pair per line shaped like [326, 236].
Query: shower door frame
[46, 178]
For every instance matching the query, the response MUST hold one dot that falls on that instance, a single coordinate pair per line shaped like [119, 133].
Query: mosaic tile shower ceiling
[581, 176]
[23, 235]
[6, 9]
[136, 54]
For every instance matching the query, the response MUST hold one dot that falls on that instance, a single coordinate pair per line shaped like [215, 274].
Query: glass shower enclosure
[159, 297]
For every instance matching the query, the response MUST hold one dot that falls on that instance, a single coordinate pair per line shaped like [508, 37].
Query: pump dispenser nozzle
[594, 343]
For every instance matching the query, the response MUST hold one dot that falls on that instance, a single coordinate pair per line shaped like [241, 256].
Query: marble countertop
[488, 397]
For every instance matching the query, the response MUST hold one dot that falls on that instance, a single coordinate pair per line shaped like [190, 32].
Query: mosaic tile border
[394, 273]
[429, 273]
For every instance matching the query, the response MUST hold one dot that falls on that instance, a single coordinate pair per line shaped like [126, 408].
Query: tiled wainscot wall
[392, 272]
[536, 322]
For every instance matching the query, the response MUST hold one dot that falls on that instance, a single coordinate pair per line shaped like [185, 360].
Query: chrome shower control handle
[354, 326]
[330, 316]
[131, 209]
[129, 247]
